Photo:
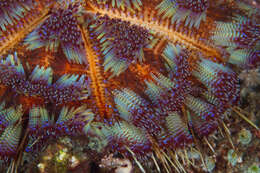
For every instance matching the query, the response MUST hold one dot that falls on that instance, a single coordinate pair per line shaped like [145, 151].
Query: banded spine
[176, 133]
[219, 80]
[120, 43]
[9, 116]
[122, 4]
[137, 110]
[241, 37]
[43, 126]
[9, 140]
[60, 29]
[66, 89]
[124, 134]
[11, 12]
[19, 18]
[192, 12]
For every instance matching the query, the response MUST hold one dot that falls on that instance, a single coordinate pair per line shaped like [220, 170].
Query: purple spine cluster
[60, 30]
[68, 87]
[11, 11]
[196, 6]
[249, 34]
[61, 25]
[120, 42]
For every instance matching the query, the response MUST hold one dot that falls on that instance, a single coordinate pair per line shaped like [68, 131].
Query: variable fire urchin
[149, 78]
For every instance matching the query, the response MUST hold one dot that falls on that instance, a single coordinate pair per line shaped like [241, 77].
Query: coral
[233, 157]
[253, 169]
[210, 164]
[147, 81]
[58, 158]
[245, 136]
